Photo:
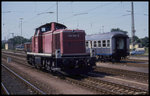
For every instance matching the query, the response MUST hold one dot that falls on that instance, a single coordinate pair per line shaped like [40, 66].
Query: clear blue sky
[89, 16]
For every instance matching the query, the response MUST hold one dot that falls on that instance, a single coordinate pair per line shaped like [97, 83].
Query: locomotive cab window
[60, 26]
[108, 43]
[48, 28]
[36, 32]
[43, 29]
[104, 43]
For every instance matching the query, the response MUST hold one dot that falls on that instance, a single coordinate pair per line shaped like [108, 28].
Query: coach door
[120, 45]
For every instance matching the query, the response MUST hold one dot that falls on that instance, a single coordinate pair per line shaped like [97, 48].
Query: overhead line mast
[132, 27]
[57, 11]
[21, 29]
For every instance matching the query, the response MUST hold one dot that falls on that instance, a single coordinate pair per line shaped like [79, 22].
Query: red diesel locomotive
[56, 48]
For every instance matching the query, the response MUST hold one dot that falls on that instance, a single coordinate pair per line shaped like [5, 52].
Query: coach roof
[107, 35]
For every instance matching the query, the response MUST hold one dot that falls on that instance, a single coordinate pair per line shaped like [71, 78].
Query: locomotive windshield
[120, 43]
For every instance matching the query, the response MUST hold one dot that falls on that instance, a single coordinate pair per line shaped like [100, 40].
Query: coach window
[90, 44]
[120, 43]
[99, 43]
[108, 43]
[95, 44]
[104, 43]
[86, 44]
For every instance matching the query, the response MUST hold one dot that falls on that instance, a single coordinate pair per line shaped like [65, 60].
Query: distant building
[137, 46]
[28, 47]
[4, 41]
[20, 47]
[8, 46]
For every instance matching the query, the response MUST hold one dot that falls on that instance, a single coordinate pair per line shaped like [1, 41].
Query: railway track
[14, 51]
[136, 60]
[112, 71]
[86, 84]
[113, 87]
[68, 79]
[4, 90]
[24, 83]
[23, 55]
[104, 87]
[120, 72]
[100, 86]
[128, 62]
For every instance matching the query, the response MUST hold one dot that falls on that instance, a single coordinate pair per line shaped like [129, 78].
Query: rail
[4, 89]
[26, 82]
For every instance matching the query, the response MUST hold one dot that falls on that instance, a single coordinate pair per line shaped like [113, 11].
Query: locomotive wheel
[30, 61]
[47, 66]
[38, 66]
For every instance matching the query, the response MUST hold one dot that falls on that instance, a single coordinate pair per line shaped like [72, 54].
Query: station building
[9, 46]
[137, 47]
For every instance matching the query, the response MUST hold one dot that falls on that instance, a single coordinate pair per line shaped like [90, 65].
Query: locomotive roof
[49, 24]
[107, 35]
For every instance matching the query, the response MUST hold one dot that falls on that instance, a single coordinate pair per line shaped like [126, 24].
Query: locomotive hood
[69, 30]
[74, 30]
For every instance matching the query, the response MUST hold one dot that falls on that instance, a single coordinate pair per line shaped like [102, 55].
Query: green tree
[118, 30]
[18, 40]
[145, 41]
[3, 45]
[136, 39]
